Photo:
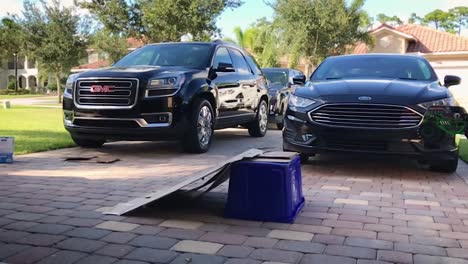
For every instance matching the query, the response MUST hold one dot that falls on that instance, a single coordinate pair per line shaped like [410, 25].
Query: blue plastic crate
[267, 190]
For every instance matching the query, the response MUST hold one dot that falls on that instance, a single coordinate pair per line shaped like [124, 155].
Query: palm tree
[240, 36]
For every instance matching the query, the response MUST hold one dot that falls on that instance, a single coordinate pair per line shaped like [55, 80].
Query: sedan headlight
[164, 86]
[449, 101]
[68, 93]
[297, 101]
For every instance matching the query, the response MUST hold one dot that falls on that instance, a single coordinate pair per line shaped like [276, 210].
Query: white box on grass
[7, 147]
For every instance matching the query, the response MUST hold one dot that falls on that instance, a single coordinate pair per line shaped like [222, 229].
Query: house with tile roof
[98, 60]
[447, 53]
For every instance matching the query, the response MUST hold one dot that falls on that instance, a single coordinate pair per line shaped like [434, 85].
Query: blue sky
[254, 9]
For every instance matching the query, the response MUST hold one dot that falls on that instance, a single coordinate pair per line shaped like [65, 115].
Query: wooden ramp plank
[123, 208]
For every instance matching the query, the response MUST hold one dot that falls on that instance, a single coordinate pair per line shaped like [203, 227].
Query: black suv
[168, 91]
[375, 104]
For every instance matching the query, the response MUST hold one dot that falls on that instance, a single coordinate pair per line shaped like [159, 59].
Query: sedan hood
[402, 92]
[136, 71]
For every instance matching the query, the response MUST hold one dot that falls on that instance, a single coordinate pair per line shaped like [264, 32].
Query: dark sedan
[371, 104]
[282, 82]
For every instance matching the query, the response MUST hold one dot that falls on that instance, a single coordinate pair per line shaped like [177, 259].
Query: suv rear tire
[448, 166]
[201, 127]
[259, 126]
[88, 143]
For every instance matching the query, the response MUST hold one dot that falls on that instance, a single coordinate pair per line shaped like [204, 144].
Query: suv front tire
[259, 126]
[201, 127]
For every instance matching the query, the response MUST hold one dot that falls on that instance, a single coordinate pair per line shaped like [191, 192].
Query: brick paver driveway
[359, 210]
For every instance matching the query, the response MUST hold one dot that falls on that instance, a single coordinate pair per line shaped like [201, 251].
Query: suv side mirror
[450, 80]
[225, 67]
[299, 79]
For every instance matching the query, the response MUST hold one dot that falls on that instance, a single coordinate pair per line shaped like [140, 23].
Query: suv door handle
[248, 85]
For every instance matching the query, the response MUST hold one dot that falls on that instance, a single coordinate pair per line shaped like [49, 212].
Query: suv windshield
[183, 55]
[279, 77]
[371, 67]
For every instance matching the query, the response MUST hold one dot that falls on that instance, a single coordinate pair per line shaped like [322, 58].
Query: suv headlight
[449, 101]
[68, 93]
[164, 86]
[297, 101]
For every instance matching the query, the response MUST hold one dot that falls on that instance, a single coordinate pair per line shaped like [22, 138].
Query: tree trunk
[57, 79]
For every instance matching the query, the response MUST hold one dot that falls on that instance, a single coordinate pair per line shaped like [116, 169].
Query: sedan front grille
[366, 116]
[106, 93]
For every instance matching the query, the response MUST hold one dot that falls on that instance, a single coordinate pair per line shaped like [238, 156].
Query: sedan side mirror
[299, 79]
[450, 80]
[225, 67]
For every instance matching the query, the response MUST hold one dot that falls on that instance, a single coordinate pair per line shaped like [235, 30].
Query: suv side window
[239, 62]
[253, 65]
[222, 56]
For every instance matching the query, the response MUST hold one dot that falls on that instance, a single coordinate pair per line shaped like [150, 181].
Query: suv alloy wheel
[259, 126]
[200, 130]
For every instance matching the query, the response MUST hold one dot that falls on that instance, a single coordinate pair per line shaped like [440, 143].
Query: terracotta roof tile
[93, 65]
[428, 40]
[134, 43]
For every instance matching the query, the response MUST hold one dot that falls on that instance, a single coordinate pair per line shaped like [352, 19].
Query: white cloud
[453, 3]
[15, 7]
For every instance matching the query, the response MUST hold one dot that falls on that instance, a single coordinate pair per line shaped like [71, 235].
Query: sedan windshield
[183, 55]
[371, 67]
[278, 77]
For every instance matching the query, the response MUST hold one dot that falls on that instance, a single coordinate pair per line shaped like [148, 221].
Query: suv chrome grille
[366, 116]
[106, 93]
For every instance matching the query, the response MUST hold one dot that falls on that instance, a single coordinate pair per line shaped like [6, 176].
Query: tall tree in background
[11, 42]
[160, 20]
[245, 38]
[266, 45]
[414, 18]
[440, 20]
[319, 28]
[383, 18]
[460, 17]
[366, 21]
[111, 44]
[53, 36]
[11, 38]
[117, 16]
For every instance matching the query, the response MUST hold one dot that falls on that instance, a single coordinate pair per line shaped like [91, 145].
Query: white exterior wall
[26, 73]
[458, 68]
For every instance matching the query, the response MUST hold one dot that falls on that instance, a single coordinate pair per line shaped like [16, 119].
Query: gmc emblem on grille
[101, 88]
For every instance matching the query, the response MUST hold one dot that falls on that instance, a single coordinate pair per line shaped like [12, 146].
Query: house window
[11, 63]
[21, 60]
[31, 64]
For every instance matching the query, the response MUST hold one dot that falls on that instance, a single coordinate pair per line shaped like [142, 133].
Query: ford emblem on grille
[364, 98]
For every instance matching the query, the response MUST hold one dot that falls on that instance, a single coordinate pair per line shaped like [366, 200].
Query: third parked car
[282, 82]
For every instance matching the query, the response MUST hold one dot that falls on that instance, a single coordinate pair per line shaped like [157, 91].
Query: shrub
[52, 86]
[11, 85]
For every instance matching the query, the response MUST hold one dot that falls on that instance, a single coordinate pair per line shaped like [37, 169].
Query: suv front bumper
[136, 124]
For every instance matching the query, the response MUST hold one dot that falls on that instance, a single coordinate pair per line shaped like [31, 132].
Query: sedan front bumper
[303, 136]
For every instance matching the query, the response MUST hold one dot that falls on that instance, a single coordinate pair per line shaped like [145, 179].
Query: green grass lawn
[14, 96]
[463, 146]
[34, 128]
